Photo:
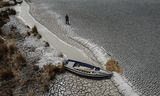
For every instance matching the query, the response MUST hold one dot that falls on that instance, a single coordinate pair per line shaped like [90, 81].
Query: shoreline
[49, 37]
[122, 85]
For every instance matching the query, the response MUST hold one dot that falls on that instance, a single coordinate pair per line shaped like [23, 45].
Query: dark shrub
[6, 74]
[11, 11]
[34, 29]
[2, 23]
[46, 44]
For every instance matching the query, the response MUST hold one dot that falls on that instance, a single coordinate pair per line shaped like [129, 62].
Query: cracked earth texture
[68, 84]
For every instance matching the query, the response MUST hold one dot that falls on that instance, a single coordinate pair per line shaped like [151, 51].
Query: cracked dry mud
[68, 84]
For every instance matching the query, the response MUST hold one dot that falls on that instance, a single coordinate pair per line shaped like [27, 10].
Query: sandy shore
[70, 51]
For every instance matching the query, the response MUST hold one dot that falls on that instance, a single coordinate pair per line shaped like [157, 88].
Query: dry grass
[49, 72]
[11, 46]
[7, 49]
[18, 61]
[11, 70]
[43, 79]
[112, 65]
[23, 82]
[11, 35]
[11, 64]
[11, 57]
[60, 68]
[13, 60]
[31, 93]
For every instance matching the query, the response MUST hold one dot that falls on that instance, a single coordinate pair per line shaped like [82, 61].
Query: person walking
[67, 19]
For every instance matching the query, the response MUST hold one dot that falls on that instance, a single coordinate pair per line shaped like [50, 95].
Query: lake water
[129, 29]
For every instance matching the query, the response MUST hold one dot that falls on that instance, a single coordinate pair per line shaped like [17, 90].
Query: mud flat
[77, 54]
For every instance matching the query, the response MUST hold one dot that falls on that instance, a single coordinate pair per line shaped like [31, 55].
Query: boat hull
[99, 73]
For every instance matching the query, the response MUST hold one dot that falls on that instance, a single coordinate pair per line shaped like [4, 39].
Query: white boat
[85, 69]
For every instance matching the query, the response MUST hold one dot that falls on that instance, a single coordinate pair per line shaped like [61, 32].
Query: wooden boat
[85, 69]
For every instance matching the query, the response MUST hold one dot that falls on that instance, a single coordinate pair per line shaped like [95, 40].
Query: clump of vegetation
[112, 65]
[11, 63]
[3, 19]
[7, 12]
[6, 73]
[11, 46]
[48, 73]
[43, 79]
[60, 68]
[46, 44]
[10, 57]
[4, 16]
[34, 32]
[2, 22]
[11, 11]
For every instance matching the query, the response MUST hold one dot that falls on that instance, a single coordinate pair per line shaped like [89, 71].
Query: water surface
[130, 29]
